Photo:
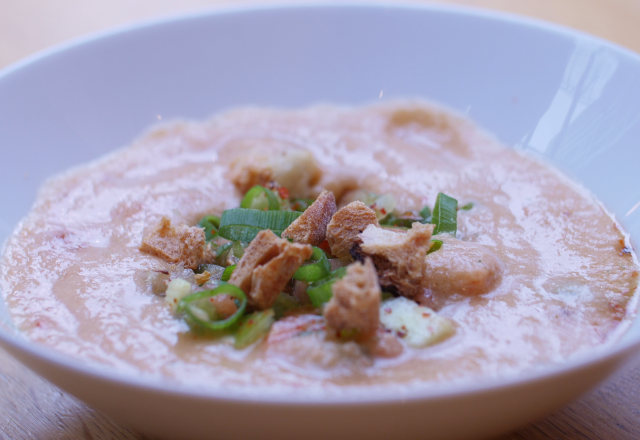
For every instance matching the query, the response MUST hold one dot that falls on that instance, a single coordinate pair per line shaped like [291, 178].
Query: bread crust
[311, 226]
[354, 308]
[176, 243]
[266, 266]
[399, 257]
[346, 225]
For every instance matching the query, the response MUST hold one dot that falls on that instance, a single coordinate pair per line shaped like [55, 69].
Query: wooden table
[31, 408]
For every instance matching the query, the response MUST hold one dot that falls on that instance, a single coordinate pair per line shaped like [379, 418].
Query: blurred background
[27, 26]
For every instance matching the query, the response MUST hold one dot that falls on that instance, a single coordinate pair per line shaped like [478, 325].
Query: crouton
[269, 279]
[354, 308]
[266, 266]
[461, 267]
[346, 225]
[176, 244]
[398, 256]
[262, 248]
[293, 169]
[311, 226]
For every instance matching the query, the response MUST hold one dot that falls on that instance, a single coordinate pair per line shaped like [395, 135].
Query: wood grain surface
[31, 408]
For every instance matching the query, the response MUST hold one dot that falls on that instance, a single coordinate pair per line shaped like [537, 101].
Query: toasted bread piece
[294, 169]
[346, 225]
[176, 244]
[311, 226]
[269, 279]
[265, 246]
[354, 308]
[266, 267]
[399, 257]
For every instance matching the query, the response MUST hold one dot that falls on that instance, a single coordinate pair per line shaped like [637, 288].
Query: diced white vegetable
[176, 290]
[384, 205]
[419, 326]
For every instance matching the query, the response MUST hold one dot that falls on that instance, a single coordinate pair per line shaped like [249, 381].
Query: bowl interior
[569, 98]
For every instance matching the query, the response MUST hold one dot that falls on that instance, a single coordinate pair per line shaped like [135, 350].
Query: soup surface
[74, 278]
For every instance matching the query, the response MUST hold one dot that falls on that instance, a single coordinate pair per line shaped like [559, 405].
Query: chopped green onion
[300, 204]
[445, 215]
[211, 224]
[241, 224]
[467, 207]
[425, 213]
[260, 198]
[283, 304]
[226, 275]
[403, 221]
[201, 310]
[435, 245]
[253, 327]
[222, 252]
[238, 248]
[318, 269]
[320, 292]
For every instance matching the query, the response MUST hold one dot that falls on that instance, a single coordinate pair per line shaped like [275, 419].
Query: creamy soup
[560, 280]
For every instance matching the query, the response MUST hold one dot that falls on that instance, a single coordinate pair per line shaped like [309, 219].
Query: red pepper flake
[426, 315]
[284, 192]
[325, 247]
[383, 211]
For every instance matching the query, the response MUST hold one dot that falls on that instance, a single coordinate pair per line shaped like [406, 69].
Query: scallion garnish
[435, 245]
[320, 292]
[202, 312]
[445, 215]
[241, 224]
[425, 213]
[467, 207]
[226, 275]
[284, 303]
[300, 204]
[260, 198]
[252, 327]
[316, 270]
[211, 224]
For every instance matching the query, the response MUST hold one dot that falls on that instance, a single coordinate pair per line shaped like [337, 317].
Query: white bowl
[571, 98]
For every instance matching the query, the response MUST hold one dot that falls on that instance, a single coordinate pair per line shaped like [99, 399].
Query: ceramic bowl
[567, 97]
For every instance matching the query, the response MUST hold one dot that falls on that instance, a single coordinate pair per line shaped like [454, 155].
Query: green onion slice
[300, 204]
[445, 215]
[318, 269]
[253, 327]
[260, 198]
[201, 310]
[211, 224]
[403, 221]
[425, 213]
[467, 207]
[283, 304]
[320, 292]
[241, 224]
[226, 275]
[435, 245]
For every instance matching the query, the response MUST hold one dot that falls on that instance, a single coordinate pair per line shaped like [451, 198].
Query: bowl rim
[271, 395]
